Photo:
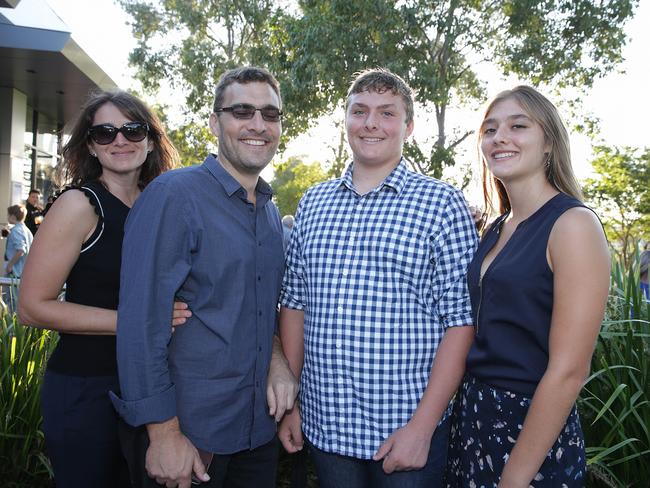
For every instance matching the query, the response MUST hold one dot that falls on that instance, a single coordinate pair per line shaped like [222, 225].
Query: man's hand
[406, 449]
[171, 457]
[289, 431]
[282, 386]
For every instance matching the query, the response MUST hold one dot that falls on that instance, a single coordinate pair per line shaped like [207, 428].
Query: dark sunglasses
[246, 111]
[106, 133]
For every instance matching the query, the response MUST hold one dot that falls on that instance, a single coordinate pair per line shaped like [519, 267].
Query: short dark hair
[35, 190]
[380, 80]
[79, 167]
[244, 74]
[18, 211]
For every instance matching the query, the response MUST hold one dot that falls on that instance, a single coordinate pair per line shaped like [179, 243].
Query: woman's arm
[55, 249]
[579, 257]
[70, 222]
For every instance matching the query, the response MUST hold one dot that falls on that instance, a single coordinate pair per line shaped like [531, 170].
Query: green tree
[192, 139]
[188, 45]
[621, 192]
[292, 179]
[314, 46]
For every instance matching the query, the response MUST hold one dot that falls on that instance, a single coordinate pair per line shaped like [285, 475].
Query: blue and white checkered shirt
[379, 277]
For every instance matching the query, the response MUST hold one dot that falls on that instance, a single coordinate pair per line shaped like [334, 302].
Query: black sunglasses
[246, 111]
[106, 133]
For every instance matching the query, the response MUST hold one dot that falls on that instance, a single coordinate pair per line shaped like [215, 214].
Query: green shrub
[23, 355]
[615, 403]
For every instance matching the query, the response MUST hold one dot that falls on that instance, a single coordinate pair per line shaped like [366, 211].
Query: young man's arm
[452, 250]
[292, 323]
[282, 385]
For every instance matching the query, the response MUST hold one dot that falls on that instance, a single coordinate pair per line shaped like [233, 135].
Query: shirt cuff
[156, 408]
[458, 320]
[288, 301]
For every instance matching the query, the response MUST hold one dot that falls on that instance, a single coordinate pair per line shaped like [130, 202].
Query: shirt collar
[395, 180]
[230, 184]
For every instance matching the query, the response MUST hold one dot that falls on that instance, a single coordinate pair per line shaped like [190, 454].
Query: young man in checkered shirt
[375, 311]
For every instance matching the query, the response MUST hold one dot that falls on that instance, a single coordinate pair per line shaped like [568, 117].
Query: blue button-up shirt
[19, 239]
[193, 234]
[379, 277]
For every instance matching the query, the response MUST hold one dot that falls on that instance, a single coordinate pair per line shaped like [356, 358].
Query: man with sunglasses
[210, 236]
[375, 284]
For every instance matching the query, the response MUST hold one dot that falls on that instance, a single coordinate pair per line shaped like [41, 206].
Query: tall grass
[615, 403]
[23, 356]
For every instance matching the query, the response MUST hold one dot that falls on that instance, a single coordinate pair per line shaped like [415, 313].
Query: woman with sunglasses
[538, 284]
[117, 146]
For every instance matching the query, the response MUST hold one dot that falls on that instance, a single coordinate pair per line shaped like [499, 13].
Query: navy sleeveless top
[94, 280]
[513, 302]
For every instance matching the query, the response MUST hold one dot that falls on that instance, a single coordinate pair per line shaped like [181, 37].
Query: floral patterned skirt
[485, 425]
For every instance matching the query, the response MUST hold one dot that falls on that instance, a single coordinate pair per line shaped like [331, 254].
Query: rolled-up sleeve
[156, 259]
[452, 251]
[293, 292]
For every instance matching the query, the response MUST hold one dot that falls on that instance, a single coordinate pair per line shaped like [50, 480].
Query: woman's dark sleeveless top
[513, 302]
[95, 281]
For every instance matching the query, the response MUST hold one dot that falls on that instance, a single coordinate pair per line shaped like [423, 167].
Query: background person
[117, 146]
[644, 262]
[34, 210]
[538, 285]
[19, 242]
[287, 227]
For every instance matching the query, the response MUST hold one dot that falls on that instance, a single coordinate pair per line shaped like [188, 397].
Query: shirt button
[338, 344]
[345, 272]
[257, 384]
[259, 243]
[259, 312]
[259, 278]
[340, 309]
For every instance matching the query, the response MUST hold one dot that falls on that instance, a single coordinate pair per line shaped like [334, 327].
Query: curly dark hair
[79, 166]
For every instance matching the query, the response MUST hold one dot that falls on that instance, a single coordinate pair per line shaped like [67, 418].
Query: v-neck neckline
[498, 230]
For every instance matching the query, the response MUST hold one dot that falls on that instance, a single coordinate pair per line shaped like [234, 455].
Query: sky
[620, 100]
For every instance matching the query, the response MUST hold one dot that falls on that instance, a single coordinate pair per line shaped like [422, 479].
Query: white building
[45, 78]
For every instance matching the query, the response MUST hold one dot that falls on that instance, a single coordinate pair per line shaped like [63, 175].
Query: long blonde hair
[559, 171]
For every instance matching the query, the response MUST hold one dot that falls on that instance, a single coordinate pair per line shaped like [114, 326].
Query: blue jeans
[336, 471]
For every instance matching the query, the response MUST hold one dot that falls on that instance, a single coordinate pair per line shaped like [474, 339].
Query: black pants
[255, 468]
[80, 427]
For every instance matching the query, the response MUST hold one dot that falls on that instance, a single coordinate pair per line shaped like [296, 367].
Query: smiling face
[120, 156]
[512, 143]
[247, 146]
[376, 128]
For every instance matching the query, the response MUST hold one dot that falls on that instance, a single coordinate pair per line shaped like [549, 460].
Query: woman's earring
[547, 163]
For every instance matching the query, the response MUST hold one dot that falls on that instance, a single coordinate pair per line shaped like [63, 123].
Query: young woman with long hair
[538, 284]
